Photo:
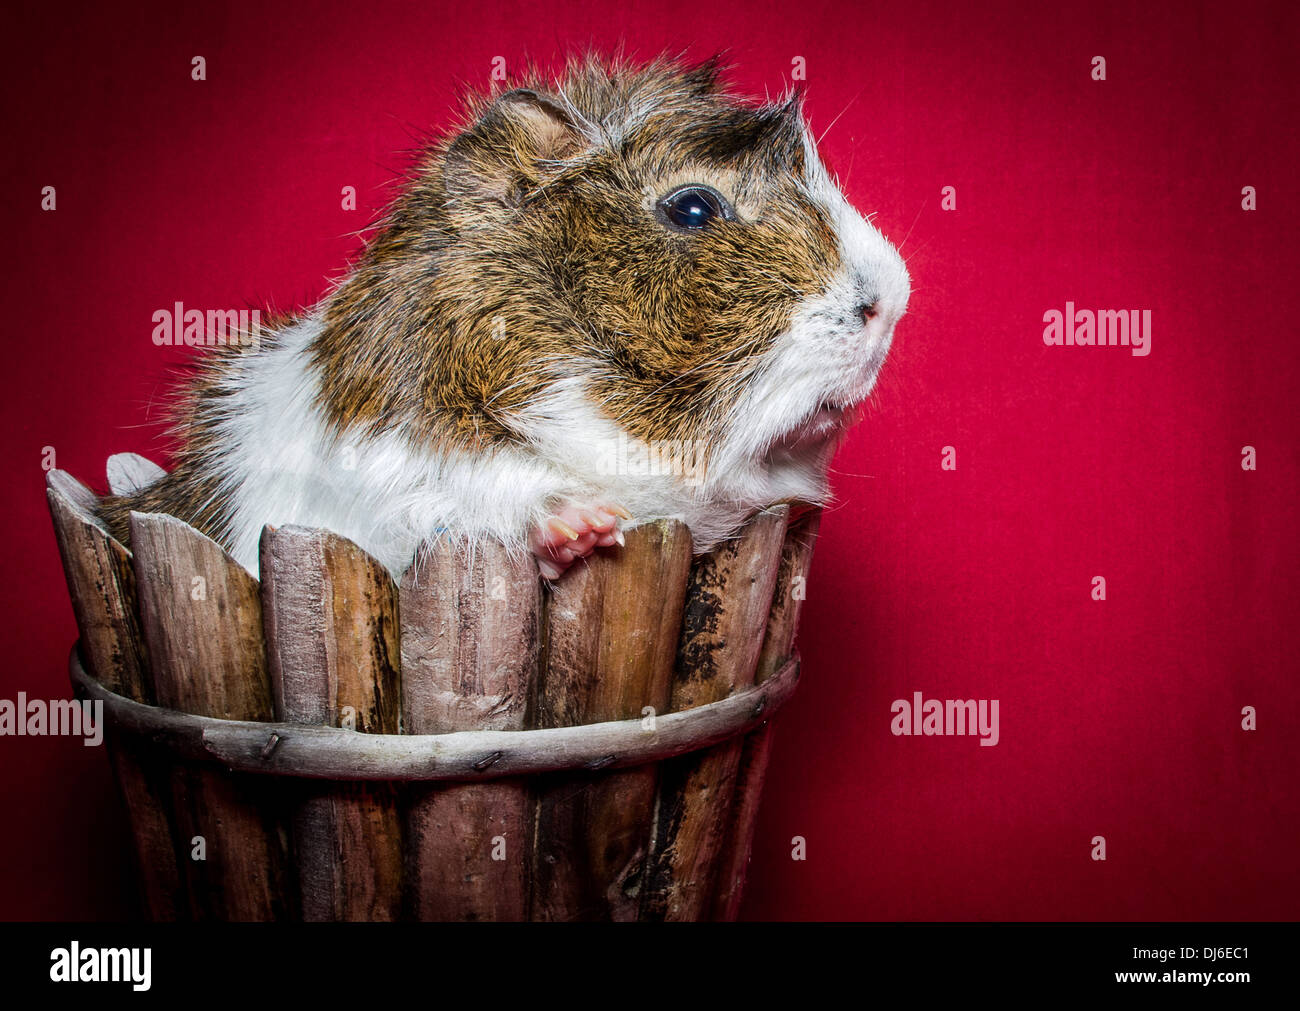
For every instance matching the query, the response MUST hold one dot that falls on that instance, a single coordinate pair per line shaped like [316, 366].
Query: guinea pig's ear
[702, 79]
[781, 133]
[512, 149]
[545, 128]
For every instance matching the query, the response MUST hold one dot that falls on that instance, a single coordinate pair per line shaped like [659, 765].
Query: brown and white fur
[523, 309]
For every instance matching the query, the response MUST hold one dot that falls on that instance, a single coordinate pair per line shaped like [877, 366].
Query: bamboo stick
[201, 618]
[611, 635]
[101, 585]
[470, 646]
[726, 610]
[778, 646]
[331, 620]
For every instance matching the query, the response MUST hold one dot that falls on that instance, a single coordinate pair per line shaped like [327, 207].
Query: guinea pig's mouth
[828, 414]
[826, 421]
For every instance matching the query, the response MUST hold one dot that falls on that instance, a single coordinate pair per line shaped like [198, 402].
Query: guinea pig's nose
[867, 310]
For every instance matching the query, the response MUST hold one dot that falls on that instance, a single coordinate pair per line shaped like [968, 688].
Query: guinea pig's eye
[689, 208]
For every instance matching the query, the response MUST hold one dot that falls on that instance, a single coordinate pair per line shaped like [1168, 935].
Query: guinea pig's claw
[574, 532]
[548, 569]
[560, 527]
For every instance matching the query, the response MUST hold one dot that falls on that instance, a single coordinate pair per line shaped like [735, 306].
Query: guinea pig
[624, 292]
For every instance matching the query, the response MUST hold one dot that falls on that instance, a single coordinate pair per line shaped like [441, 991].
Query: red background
[1118, 718]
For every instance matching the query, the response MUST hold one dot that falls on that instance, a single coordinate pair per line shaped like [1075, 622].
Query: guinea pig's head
[637, 236]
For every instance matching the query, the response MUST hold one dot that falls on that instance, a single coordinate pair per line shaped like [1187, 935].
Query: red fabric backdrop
[1118, 718]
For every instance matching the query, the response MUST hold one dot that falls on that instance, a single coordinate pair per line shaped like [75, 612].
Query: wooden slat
[611, 636]
[130, 472]
[727, 606]
[470, 645]
[201, 616]
[778, 646]
[331, 619]
[101, 584]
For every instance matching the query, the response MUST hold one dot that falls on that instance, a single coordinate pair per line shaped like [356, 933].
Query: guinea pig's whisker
[909, 231]
[778, 280]
[703, 365]
[842, 112]
[908, 258]
[645, 398]
[506, 389]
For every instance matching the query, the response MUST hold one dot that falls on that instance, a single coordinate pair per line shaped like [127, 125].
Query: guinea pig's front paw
[574, 532]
